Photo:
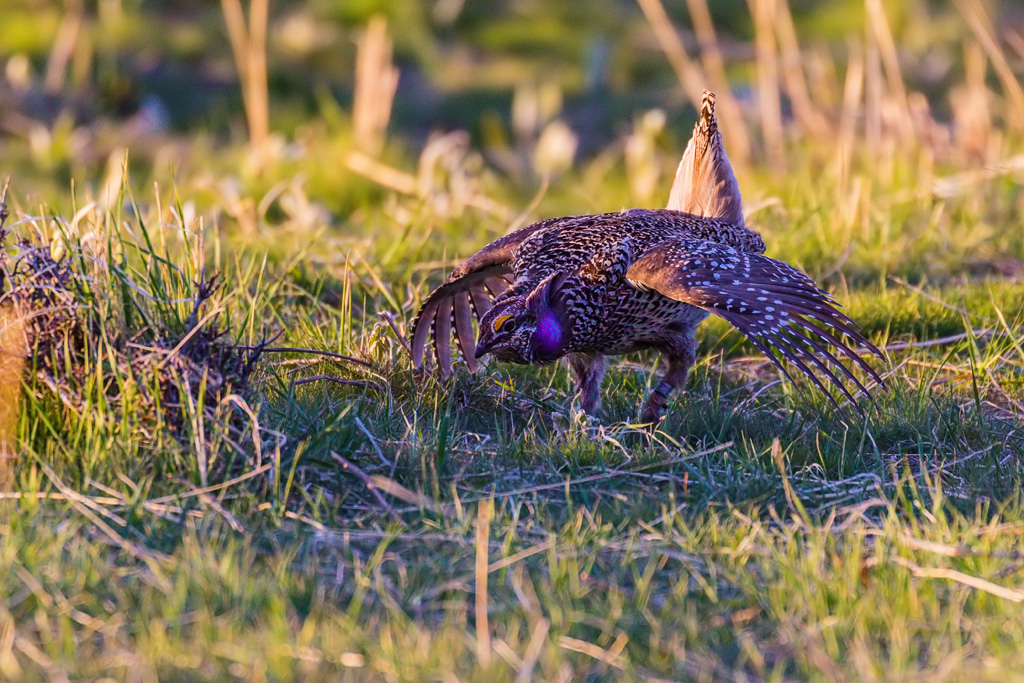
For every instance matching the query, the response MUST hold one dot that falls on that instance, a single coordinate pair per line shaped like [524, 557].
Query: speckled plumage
[607, 284]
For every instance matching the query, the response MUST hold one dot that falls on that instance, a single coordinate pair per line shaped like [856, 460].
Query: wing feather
[462, 312]
[422, 328]
[443, 336]
[467, 293]
[781, 310]
[481, 302]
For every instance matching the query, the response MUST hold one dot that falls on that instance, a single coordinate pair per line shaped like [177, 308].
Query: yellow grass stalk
[375, 84]
[735, 131]
[249, 47]
[873, 86]
[980, 24]
[811, 120]
[768, 97]
[853, 93]
[485, 512]
[693, 79]
[880, 35]
[971, 112]
[63, 48]
[13, 351]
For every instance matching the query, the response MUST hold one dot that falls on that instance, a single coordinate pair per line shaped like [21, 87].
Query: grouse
[588, 287]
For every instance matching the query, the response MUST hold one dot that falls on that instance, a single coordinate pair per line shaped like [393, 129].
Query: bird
[592, 286]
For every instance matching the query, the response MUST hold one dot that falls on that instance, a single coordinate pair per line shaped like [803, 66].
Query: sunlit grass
[761, 532]
[175, 512]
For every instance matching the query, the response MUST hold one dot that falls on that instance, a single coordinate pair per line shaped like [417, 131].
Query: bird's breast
[618, 318]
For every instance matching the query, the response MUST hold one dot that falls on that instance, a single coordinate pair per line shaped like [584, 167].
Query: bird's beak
[481, 349]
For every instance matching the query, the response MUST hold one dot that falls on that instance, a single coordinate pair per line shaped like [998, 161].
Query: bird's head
[524, 329]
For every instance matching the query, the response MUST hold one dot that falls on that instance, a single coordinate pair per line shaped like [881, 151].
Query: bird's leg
[589, 371]
[680, 359]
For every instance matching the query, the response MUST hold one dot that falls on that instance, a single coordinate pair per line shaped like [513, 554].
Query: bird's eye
[501, 321]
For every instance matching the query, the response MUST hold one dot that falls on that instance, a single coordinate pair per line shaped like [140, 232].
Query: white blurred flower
[19, 71]
[555, 149]
[110, 191]
[642, 166]
[58, 242]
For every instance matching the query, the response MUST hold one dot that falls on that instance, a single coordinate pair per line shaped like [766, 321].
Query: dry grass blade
[981, 25]
[795, 81]
[611, 656]
[393, 488]
[82, 506]
[64, 46]
[533, 649]
[689, 74]
[249, 47]
[768, 97]
[1012, 594]
[14, 350]
[714, 66]
[376, 82]
[298, 349]
[351, 467]
[521, 555]
[881, 35]
[485, 512]
[216, 487]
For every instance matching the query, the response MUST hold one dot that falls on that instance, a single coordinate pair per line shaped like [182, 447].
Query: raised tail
[705, 185]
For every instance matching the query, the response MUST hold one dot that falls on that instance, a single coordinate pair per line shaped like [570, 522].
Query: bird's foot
[591, 417]
[575, 419]
[637, 438]
[651, 418]
[654, 409]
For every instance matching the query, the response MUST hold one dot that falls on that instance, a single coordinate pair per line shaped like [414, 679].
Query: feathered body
[605, 312]
[590, 286]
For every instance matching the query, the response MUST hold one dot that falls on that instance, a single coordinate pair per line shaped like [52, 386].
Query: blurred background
[331, 113]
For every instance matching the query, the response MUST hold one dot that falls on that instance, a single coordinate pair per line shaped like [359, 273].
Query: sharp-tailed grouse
[586, 287]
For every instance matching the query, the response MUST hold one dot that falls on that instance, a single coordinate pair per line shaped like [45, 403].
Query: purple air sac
[547, 340]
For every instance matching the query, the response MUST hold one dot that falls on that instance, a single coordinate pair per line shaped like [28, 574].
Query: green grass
[166, 531]
[176, 513]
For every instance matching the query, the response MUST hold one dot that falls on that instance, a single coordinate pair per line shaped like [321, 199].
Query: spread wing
[774, 305]
[705, 185]
[468, 293]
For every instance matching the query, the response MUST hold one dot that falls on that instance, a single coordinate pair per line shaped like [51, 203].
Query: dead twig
[354, 469]
[976, 334]
[390, 320]
[338, 380]
[317, 352]
[373, 442]
[4, 212]
[976, 582]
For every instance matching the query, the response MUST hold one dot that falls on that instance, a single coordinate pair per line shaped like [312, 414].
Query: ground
[187, 499]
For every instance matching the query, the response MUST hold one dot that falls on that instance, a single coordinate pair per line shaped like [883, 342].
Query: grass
[324, 530]
[192, 501]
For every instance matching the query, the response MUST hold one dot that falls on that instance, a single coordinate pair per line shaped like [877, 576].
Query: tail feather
[443, 337]
[452, 309]
[705, 185]
[462, 313]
